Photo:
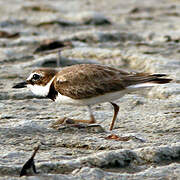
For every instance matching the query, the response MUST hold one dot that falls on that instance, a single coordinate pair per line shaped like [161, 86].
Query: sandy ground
[132, 34]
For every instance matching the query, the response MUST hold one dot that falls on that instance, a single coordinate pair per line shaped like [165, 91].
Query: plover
[88, 84]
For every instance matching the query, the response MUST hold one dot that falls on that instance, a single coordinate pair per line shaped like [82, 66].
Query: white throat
[40, 90]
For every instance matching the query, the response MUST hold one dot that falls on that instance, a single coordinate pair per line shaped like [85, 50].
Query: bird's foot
[64, 121]
[76, 123]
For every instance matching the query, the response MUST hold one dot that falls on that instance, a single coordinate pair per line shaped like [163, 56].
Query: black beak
[20, 85]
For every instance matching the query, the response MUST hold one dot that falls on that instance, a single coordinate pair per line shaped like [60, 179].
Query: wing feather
[85, 81]
[89, 80]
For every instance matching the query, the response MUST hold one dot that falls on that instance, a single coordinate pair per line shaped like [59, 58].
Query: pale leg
[75, 121]
[116, 110]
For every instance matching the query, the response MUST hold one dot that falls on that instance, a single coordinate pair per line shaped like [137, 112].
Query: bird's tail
[149, 81]
[158, 79]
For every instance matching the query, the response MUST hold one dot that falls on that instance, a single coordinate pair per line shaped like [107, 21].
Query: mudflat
[135, 35]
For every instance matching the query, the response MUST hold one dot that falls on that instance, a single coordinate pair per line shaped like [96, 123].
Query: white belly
[90, 101]
[108, 97]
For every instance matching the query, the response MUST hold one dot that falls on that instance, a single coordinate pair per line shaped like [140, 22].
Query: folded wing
[85, 81]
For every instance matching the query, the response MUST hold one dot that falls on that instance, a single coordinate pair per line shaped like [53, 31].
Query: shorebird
[88, 84]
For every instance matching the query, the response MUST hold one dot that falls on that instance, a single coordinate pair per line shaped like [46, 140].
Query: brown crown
[46, 75]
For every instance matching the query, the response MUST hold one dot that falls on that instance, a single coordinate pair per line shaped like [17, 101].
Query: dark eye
[36, 77]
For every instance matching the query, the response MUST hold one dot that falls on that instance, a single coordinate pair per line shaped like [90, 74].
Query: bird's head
[39, 81]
